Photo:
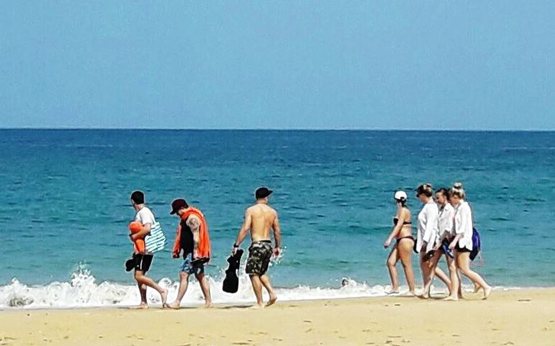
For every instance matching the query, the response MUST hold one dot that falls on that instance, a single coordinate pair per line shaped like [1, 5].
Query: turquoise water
[65, 197]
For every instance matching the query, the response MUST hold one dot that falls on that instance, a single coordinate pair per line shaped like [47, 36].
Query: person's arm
[430, 233]
[396, 229]
[242, 232]
[194, 224]
[455, 241]
[177, 243]
[449, 224]
[143, 232]
[458, 230]
[277, 236]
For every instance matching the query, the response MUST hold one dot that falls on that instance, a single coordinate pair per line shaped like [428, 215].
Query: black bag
[130, 264]
[231, 281]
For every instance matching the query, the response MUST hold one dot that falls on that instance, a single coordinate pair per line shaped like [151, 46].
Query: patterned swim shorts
[260, 253]
[192, 267]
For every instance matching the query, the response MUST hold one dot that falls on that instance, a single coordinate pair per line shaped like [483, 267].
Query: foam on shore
[83, 290]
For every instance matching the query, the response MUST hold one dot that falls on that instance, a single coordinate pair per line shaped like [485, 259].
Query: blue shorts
[192, 267]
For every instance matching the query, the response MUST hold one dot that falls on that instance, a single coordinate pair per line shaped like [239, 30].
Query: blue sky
[278, 64]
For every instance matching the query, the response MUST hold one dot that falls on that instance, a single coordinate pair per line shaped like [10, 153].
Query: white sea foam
[84, 291]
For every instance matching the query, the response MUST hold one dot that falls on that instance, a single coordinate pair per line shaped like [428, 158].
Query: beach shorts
[260, 253]
[192, 267]
[142, 262]
[461, 249]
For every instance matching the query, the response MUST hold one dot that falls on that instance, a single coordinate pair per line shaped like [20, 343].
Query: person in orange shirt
[193, 241]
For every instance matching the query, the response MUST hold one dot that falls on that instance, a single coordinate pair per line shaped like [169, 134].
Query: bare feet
[175, 305]
[392, 292]
[451, 298]
[142, 306]
[477, 288]
[164, 296]
[207, 305]
[423, 296]
[257, 307]
[409, 294]
[272, 301]
[487, 292]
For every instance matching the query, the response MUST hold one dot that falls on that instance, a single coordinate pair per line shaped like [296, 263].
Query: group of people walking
[192, 242]
[445, 228]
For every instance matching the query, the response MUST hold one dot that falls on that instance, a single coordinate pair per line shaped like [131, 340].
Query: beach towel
[204, 249]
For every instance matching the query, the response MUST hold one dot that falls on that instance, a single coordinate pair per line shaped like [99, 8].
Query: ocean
[65, 206]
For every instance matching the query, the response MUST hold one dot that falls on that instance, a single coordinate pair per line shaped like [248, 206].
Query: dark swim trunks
[260, 253]
[142, 262]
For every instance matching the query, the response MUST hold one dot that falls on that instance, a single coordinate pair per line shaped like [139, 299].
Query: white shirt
[428, 230]
[145, 216]
[464, 224]
[446, 220]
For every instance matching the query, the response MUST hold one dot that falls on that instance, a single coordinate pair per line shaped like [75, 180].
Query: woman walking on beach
[402, 232]
[446, 234]
[427, 238]
[462, 242]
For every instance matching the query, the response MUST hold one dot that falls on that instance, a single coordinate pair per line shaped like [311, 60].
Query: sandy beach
[521, 317]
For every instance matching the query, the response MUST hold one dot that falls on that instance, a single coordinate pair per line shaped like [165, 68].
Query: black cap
[263, 192]
[178, 204]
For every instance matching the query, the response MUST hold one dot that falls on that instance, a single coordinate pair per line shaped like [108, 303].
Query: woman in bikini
[402, 232]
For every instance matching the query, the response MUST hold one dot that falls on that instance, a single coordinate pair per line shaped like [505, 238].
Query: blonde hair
[457, 190]
[425, 189]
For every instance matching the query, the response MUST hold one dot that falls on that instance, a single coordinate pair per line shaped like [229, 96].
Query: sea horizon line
[269, 129]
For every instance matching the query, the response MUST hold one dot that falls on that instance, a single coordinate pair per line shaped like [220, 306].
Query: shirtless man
[259, 220]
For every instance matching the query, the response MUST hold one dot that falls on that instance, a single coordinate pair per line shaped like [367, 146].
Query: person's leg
[441, 275]
[425, 274]
[205, 287]
[391, 262]
[463, 260]
[145, 280]
[183, 285]
[265, 280]
[431, 270]
[459, 289]
[404, 250]
[257, 288]
[142, 292]
[453, 275]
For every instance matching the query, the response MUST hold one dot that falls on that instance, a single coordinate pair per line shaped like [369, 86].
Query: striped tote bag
[156, 240]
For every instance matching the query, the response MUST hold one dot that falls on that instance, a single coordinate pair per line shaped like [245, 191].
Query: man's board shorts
[192, 267]
[142, 262]
[260, 253]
